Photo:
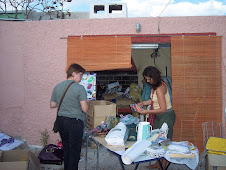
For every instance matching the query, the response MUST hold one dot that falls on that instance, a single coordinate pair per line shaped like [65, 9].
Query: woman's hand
[140, 104]
[53, 104]
[143, 112]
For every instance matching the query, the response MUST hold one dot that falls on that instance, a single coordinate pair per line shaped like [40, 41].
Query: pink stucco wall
[33, 59]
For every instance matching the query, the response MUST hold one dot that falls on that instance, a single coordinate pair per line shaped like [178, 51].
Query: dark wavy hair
[75, 68]
[155, 74]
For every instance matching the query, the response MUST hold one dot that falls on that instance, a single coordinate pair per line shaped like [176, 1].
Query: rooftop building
[108, 10]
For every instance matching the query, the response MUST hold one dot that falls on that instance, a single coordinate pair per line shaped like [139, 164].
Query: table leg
[97, 156]
[160, 163]
[136, 166]
[214, 167]
[122, 165]
[87, 143]
[98, 146]
[168, 164]
[120, 160]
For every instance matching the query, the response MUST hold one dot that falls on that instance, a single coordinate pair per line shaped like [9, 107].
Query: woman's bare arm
[160, 92]
[84, 105]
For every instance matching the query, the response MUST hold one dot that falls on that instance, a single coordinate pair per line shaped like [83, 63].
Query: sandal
[153, 167]
[156, 166]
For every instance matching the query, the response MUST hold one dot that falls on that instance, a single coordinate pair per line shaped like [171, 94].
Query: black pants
[71, 132]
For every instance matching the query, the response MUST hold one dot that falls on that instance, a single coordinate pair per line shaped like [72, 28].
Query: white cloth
[179, 147]
[192, 163]
[9, 146]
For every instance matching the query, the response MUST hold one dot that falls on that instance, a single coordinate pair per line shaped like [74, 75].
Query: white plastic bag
[114, 87]
[117, 135]
[163, 131]
[179, 147]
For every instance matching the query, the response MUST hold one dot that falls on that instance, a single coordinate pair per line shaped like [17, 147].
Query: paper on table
[137, 149]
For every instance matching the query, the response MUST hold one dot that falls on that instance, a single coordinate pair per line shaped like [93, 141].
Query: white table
[119, 150]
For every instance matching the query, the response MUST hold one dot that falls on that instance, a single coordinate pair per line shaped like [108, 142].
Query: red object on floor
[60, 144]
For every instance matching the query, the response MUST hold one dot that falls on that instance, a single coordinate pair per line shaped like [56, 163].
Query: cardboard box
[101, 108]
[109, 96]
[217, 161]
[98, 111]
[124, 102]
[19, 160]
[92, 122]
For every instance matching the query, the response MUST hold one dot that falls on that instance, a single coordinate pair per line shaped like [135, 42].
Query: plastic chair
[211, 129]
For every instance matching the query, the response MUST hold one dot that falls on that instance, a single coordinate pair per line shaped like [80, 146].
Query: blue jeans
[71, 133]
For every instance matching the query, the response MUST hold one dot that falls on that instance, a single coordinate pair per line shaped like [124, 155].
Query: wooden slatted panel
[99, 53]
[196, 85]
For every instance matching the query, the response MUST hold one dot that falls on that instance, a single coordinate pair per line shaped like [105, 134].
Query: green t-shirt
[70, 106]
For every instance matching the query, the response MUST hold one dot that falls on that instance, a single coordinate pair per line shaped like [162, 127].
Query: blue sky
[154, 8]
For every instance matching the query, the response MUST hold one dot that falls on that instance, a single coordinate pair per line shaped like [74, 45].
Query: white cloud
[153, 8]
[143, 8]
[211, 7]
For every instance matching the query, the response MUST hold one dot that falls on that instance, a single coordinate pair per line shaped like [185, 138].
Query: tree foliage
[44, 7]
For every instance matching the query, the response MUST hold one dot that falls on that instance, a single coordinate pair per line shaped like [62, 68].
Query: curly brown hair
[155, 74]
